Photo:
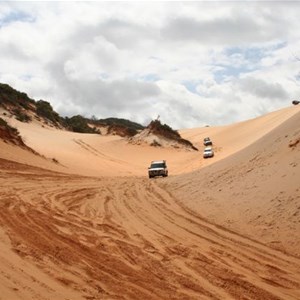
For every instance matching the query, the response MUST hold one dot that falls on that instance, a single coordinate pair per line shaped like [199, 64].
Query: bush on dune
[79, 124]
[45, 110]
[164, 130]
[9, 133]
[12, 97]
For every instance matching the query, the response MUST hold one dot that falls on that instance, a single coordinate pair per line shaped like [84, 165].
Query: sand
[83, 221]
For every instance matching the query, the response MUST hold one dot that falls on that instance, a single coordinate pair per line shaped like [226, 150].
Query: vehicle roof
[208, 148]
[158, 161]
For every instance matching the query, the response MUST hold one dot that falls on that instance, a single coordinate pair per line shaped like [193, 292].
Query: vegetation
[21, 116]
[4, 125]
[117, 121]
[166, 131]
[155, 143]
[121, 130]
[10, 96]
[10, 134]
[121, 127]
[45, 110]
[19, 103]
[79, 124]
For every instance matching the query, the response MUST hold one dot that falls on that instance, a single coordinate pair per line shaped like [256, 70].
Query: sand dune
[93, 226]
[255, 191]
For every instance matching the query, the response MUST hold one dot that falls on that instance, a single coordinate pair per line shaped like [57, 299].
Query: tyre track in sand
[129, 238]
[225, 251]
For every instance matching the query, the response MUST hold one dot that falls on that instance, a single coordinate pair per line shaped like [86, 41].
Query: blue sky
[192, 63]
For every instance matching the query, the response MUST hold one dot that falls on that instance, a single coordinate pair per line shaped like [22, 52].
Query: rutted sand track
[127, 238]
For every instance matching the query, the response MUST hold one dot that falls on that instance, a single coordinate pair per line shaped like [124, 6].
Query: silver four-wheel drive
[207, 141]
[208, 152]
[158, 168]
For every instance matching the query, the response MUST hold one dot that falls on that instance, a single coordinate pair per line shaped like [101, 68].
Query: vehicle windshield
[159, 165]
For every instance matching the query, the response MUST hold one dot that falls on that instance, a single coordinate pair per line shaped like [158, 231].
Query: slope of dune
[232, 138]
[90, 225]
[256, 191]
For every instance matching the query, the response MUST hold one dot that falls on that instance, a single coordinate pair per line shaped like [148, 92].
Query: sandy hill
[255, 190]
[157, 134]
[82, 220]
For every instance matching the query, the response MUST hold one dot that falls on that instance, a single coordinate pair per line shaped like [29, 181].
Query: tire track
[256, 253]
[130, 238]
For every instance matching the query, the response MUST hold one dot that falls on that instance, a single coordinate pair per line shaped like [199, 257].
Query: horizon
[91, 117]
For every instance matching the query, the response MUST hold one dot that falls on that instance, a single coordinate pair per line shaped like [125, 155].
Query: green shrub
[8, 95]
[166, 131]
[117, 121]
[45, 110]
[9, 128]
[3, 123]
[79, 124]
[23, 117]
[163, 129]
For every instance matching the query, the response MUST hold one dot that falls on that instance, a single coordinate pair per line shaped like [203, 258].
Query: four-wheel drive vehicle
[208, 152]
[158, 168]
[207, 141]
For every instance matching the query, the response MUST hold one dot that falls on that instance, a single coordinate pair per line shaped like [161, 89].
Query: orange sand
[93, 226]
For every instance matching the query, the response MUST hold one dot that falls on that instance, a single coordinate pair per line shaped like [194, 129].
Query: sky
[191, 63]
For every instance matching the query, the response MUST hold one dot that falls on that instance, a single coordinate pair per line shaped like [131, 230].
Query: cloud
[193, 63]
[212, 32]
[236, 26]
[105, 98]
[263, 89]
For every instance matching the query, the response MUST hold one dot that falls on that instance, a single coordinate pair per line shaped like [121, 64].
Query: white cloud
[192, 63]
